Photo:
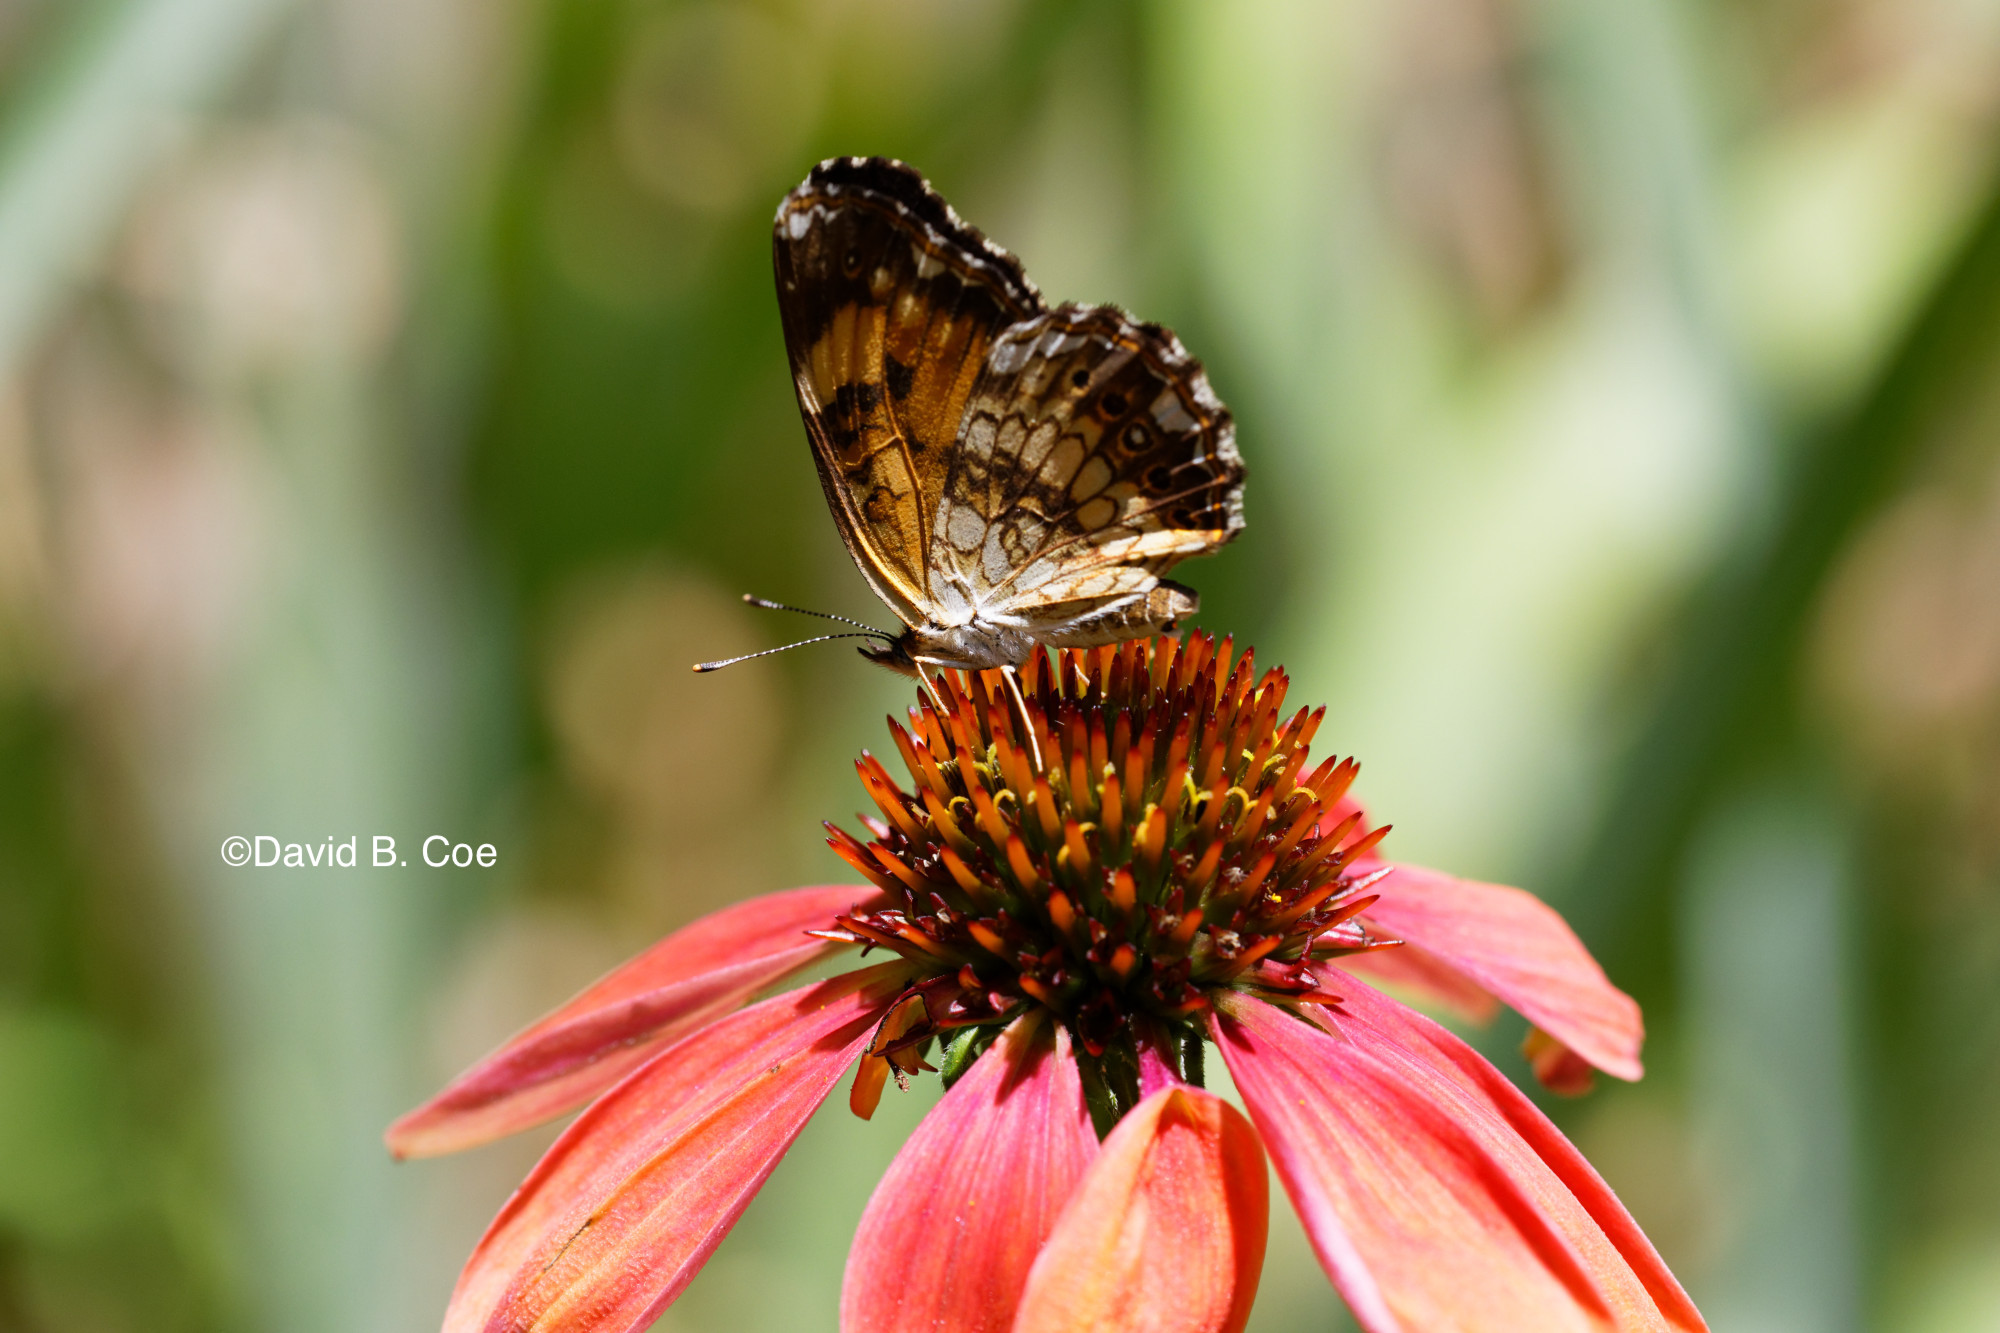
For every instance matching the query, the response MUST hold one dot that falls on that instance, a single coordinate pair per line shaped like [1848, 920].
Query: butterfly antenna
[770, 605]
[732, 661]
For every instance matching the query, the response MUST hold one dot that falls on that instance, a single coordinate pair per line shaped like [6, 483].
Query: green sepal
[1097, 1097]
[966, 1046]
[1193, 1056]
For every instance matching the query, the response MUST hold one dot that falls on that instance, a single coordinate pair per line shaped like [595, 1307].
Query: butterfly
[1005, 474]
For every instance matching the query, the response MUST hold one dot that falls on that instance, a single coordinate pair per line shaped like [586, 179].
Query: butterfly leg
[1013, 679]
[924, 680]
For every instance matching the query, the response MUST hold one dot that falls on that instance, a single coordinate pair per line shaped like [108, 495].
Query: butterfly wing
[890, 304]
[1092, 457]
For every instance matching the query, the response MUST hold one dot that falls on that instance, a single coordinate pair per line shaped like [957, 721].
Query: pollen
[1137, 831]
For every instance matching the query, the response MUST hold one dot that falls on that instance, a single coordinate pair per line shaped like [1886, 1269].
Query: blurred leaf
[1726, 700]
[66, 1165]
[73, 153]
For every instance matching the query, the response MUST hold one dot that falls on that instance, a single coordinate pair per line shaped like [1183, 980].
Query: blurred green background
[392, 405]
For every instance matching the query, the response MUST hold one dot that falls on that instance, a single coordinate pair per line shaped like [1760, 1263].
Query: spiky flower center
[1135, 831]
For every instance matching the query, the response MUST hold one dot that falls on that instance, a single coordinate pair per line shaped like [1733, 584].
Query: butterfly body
[1007, 475]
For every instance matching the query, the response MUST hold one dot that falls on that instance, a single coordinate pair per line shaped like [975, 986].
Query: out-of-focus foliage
[392, 406]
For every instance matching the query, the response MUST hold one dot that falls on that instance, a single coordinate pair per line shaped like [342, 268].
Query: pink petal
[948, 1238]
[1166, 1232]
[692, 976]
[1452, 1058]
[1426, 978]
[1436, 1196]
[1513, 944]
[622, 1212]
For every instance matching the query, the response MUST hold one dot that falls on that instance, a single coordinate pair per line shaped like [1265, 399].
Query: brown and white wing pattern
[1092, 457]
[890, 307]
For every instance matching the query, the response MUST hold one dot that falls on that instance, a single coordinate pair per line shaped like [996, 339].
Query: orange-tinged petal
[949, 1236]
[1166, 1232]
[696, 974]
[622, 1212]
[1516, 946]
[1558, 1068]
[1435, 1195]
[1415, 971]
[871, 1072]
[1448, 1056]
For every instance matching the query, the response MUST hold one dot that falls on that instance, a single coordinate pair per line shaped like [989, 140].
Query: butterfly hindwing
[890, 304]
[1092, 456]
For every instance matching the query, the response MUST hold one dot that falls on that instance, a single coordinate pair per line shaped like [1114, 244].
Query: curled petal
[948, 1238]
[622, 1212]
[694, 975]
[1559, 1069]
[1435, 1195]
[1514, 945]
[1166, 1232]
[871, 1072]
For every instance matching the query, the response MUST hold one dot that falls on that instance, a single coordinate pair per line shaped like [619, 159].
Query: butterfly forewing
[1092, 457]
[890, 304]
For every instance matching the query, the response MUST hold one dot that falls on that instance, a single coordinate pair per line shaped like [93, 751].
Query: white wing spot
[966, 530]
[1036, 574]
[979, 436]
[1062, 463]
[1022, 534]
[1008, 355]
[1169, 411]
[995, 557]
[1009, 443]
[953, 607]
[1036, 451]
[1057, 343]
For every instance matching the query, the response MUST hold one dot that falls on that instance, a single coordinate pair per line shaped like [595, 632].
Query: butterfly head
[977, 645]
[898, 654]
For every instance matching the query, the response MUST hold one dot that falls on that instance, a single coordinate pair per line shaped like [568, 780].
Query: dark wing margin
[889, 303]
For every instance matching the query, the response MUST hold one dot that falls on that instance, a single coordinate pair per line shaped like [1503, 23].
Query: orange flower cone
[1084, 886]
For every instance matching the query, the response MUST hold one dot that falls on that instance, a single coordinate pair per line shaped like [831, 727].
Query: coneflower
[1083, 886]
